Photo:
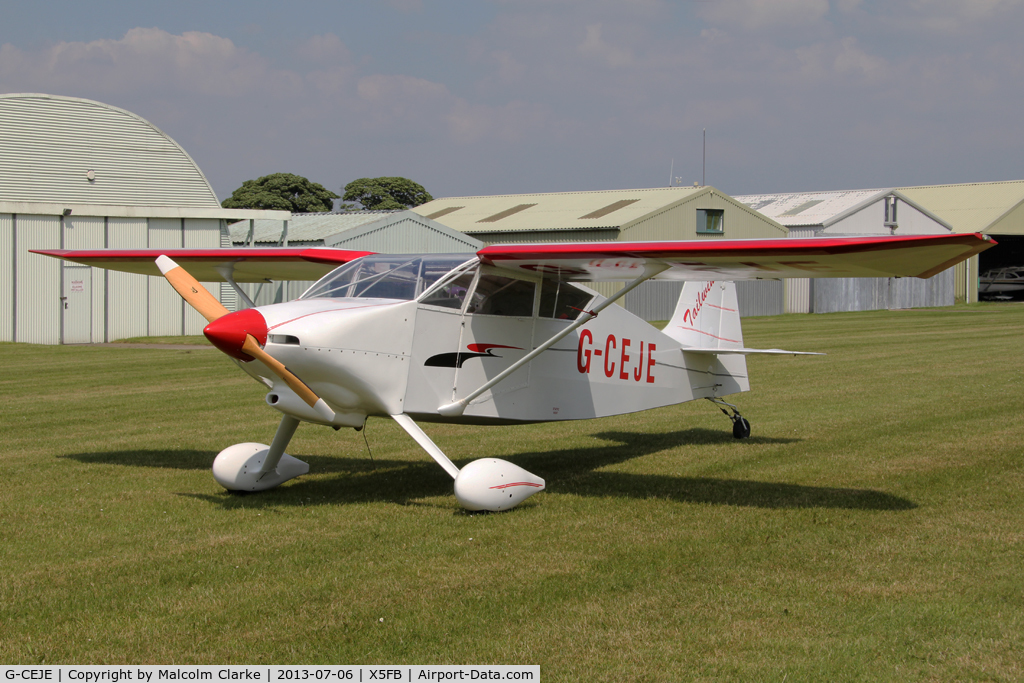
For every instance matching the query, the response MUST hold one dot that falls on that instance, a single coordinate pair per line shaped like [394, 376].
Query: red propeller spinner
[228, 332]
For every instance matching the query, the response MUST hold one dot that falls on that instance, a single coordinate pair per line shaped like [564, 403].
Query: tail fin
[707, 317]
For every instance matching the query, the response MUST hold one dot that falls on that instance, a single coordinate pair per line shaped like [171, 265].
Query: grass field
[872, 528]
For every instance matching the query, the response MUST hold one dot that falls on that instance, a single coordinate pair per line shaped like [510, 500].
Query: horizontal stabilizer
[748, 352]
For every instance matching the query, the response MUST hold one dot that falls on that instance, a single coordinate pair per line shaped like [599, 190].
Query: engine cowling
[237, 468]
[494, 484]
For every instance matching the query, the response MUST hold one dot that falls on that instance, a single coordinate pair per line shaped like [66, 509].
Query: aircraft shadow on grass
[571, 471]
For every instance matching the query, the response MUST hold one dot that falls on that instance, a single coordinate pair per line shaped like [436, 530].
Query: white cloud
[971, 10]
[952, 17]
[851, 60]
[146, 58]
[594, 45]
[754, 15]
[556, 94]
[510, 123]
[399, 89]
[326, 48]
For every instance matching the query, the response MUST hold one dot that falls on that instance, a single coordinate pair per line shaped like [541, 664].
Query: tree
[282, 191]
[381, 194]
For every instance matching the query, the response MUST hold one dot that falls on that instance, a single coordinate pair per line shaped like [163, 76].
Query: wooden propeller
[240, 334]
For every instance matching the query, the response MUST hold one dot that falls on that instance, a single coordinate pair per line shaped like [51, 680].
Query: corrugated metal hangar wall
[80, 174]
[855, 213]
[52, 302]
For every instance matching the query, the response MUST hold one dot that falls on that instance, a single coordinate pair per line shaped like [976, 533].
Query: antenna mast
[704, 158]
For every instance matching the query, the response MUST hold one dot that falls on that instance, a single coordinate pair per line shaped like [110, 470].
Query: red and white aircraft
[502, 336]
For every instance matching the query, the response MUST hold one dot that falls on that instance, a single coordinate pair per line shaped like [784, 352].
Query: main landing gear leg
[740, 426]
[484, 484]
[256, 466]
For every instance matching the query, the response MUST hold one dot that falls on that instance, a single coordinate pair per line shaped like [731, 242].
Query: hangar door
[1007, 255]
[76, 301]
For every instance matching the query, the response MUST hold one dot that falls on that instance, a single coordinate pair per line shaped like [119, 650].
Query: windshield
[386, 276]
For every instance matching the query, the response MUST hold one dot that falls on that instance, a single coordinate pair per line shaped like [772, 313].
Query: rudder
[707, 316]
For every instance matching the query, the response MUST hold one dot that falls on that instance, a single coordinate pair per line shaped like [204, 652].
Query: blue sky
[510, 96]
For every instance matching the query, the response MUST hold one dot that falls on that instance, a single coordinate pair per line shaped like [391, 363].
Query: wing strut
[458, 407]
[228, 273]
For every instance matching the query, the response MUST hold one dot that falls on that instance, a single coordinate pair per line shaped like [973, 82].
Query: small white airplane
[502, 336]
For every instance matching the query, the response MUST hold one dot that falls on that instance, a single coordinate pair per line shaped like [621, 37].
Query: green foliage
[385, 193]
[281, 191]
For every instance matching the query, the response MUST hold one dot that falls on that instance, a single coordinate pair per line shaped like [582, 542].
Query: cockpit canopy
[451, 281]
[387, 276]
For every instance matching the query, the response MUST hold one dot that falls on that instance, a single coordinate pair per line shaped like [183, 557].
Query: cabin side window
[497, 295]
[451, 294]
[562, 301]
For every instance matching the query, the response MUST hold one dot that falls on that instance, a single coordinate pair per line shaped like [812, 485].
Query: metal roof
[553, 210]
[374, 230]
[305, 227]
[971, 207]
[65, 150]
[804, 209]
[964, 207]
[405, 232]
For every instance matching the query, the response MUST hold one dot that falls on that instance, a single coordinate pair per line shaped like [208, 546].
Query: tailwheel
[740, 425]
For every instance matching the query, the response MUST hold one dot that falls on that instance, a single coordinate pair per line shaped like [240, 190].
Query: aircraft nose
[228, 332]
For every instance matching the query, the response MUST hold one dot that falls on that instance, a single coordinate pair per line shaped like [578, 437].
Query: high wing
[912, 256]
[216, 265]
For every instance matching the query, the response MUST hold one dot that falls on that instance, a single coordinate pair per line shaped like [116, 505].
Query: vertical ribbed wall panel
[872, 294]
[657, 299]
[264, 294]
[165, 305]
[83, 232]
[960, 290]
[7, 291]
[38, 304]
[653, 300]
[297, 287]
[972, 273]
[761, 297]
[912, 292]
[201, 233]
[89, 232]
[228, 297]
[798, 295]
[844, 294]
[127, 293]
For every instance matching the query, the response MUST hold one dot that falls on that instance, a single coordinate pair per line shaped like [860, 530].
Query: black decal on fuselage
[452, 360]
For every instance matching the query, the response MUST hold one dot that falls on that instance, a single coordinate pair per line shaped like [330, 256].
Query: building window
[710, 221]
